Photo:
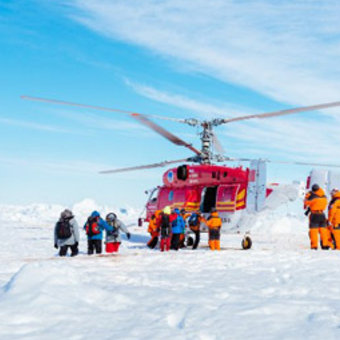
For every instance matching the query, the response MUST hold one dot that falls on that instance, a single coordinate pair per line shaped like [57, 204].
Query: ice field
[277, 290]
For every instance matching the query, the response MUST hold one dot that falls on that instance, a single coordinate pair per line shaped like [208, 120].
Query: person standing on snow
[214, 223]
[178, 227]
[113, 239]
[316, 202]
[165, 228]
[334, 218]
[66, 234]
[153, 229]
[184, 215]
[94, 227]
[194, 222]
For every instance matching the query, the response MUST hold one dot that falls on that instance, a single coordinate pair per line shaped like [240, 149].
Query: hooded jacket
[72, 239]
[316, 201]
[334, 211]
[101, 224]
[114, 235]
[178, 224]
[153, 228]
[214, 222]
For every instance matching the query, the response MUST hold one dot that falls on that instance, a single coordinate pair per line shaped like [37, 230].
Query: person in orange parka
[214, 223]
[153, 229]
[334, 217]
[316, 202]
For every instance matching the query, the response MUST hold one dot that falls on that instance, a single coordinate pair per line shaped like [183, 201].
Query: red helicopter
[200, 184]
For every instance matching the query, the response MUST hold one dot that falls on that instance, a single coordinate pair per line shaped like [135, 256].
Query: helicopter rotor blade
[142, 118]
[304, 163]
[100, 108]
[148, 166]
[230, 159]
[217, 144]
[168, 135]
[281, 112]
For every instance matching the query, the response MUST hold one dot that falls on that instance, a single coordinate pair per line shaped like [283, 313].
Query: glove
[76, 244]
[128, 235]
[55, 246]
[306, 212]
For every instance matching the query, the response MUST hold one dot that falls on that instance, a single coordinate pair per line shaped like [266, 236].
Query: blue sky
[181, 59]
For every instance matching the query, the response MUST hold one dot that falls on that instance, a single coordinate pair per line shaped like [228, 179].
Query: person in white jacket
[113, 239]
[66, 234]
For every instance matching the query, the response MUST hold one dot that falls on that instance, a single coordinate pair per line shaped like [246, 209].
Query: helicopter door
[226, 197]
[208, 200]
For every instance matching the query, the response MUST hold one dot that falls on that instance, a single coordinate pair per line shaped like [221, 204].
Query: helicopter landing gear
[246, 242]
[190, 241]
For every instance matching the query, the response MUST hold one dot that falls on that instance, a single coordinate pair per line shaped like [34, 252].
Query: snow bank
[281, 214]
[42, 214]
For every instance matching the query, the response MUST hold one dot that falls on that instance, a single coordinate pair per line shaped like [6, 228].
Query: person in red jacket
[165, 228]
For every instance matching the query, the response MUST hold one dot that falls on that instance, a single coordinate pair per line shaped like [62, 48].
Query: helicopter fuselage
[202, 187]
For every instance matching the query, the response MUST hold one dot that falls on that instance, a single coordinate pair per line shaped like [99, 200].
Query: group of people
[66, 233]
[315, 205]
[171, 227]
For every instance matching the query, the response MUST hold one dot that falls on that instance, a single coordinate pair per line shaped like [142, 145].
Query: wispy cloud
[286, 51]
[294, 137]
[75, 167]
[192, 106]
[38, 126]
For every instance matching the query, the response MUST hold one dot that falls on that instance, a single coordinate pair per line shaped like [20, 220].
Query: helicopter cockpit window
[182, 172]
[208, 199]
[153, 197]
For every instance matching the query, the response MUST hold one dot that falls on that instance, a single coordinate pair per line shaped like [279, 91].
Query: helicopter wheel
[246, 243]
[190, 241]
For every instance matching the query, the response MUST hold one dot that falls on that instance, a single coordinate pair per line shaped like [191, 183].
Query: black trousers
[214, 234]
[197, 239]
[153, 242]
[63, 250]
[94, 245]
[175, 241]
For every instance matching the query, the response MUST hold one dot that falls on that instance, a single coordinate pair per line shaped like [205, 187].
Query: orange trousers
[329, 236]
[336, 234]
[214, 245]
[314, 237]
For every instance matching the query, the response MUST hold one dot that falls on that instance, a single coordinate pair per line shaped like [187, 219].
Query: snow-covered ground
[277, 290]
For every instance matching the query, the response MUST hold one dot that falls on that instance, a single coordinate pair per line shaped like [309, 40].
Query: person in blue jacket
[178, 226]
[94, 228]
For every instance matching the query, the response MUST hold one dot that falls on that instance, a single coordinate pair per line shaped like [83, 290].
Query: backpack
[92, 227]
[193, 220]
[115, 231]
[165, 225]
[64, 229]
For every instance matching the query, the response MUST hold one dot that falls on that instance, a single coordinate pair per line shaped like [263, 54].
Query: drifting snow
[277, 290]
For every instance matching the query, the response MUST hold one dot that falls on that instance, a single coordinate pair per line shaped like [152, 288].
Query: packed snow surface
[277, 290]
